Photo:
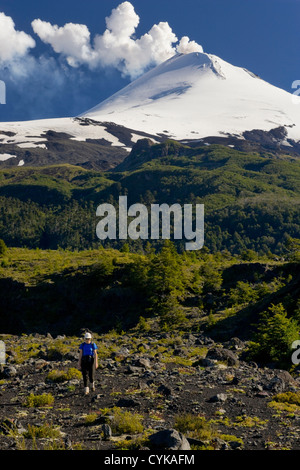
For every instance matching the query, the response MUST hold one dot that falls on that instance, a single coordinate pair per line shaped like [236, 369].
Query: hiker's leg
[92, 373]
[84, 375]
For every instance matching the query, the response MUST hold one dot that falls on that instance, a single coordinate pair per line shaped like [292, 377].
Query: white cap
[87, 336]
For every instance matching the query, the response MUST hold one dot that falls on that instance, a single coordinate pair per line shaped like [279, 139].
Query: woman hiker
[88, 362]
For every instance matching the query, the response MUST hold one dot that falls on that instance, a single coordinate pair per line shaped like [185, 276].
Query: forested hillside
[251, 199]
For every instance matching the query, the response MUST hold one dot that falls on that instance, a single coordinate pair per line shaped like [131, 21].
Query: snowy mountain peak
[195, 61]
[191, 97]
[173, 77]
[198, 95]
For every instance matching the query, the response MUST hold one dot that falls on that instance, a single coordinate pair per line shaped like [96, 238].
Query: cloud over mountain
[68, 61]
[116, 47]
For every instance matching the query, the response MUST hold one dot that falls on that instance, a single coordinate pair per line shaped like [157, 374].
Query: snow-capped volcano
[200, 95]
[194, 96]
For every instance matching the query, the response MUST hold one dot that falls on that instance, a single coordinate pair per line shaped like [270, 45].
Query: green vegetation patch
[58, 376]
[123, 421]
[39, 401]
[199, 428]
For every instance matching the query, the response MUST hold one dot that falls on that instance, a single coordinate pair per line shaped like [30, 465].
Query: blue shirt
[88, 348]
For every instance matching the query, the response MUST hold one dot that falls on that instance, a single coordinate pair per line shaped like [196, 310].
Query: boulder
[220, 397]
[124, 352]
[9, 371]
[235, 343]
[169, 439]
[127, 403]
[132, 370]
[164, 390]
[9, 425]
[142, 362]
[107, 432]
[286, 377]
[224, 355]
[276, 385]
[204, 362]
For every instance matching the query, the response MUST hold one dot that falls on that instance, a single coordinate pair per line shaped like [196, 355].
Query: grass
[188, 357]
[150, 392]
[37, 435]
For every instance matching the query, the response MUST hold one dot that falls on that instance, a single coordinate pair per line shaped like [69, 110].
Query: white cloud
[116, 47]
[186, 46]
[123, 21]
[71, 40]
[13, 43]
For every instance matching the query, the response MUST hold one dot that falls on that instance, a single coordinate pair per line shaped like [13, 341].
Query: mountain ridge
[200, 95]
[193, 98]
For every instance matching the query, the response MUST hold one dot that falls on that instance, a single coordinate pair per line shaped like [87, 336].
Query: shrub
[195, 426]
[143, 325]
[249, 422]
[91, 418]
[57, 350]
[212, 277]
[46, 430]
[36, 401]
[58, 376]
[289, 408]
[292, 398]
[122, 422]
[135, 443]
[249, 255]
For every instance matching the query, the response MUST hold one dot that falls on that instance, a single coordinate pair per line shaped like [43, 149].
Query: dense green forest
[251, 200]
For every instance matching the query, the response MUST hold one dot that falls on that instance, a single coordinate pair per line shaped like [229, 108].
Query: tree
[166, 285]
[212, 277]
[3, 247]
[125, 248]
[293, 249]
[275, 335]
[242, 293]
[249, 255]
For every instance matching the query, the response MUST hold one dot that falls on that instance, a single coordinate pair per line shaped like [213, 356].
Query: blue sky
[261, 35]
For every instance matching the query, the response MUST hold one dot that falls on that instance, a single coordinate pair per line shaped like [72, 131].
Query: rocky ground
[144, 385]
